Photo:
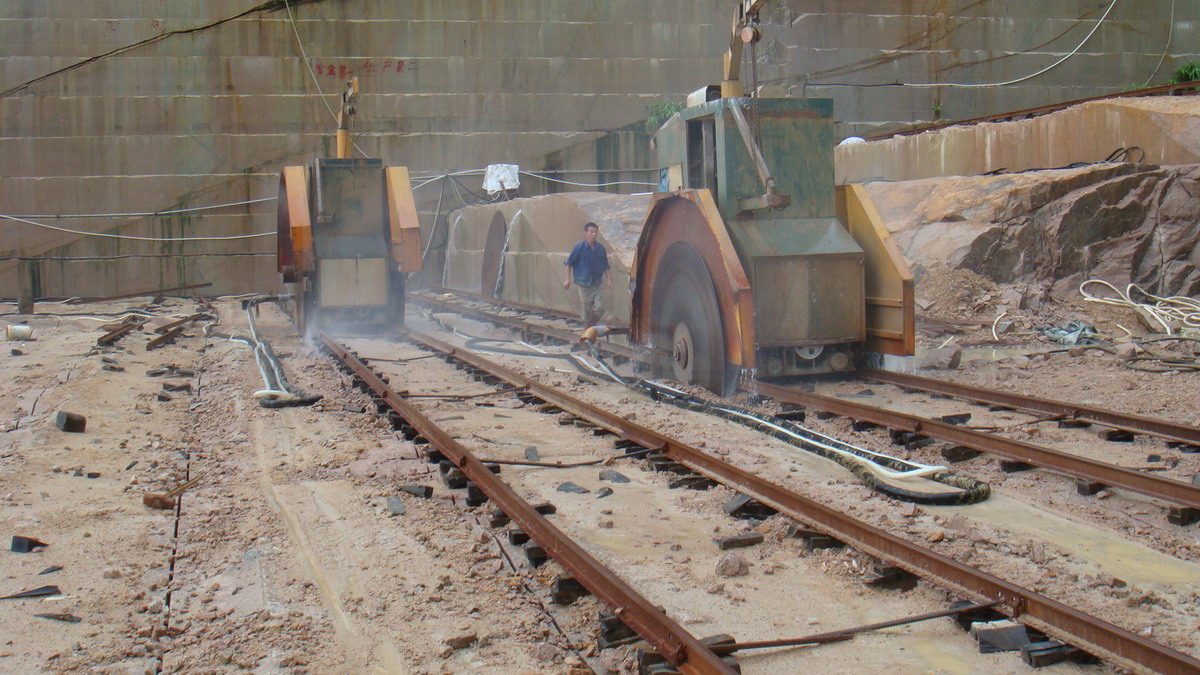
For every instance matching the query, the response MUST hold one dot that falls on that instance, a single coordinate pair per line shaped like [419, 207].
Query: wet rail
[671, 640]
[1176, 492]
[1068, 624]
[1072, 411]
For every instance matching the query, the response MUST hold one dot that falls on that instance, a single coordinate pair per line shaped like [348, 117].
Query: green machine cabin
[743, 262]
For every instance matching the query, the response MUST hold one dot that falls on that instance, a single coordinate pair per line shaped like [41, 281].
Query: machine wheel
[687, 322]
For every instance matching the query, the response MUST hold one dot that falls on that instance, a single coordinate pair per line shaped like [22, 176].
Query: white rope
[142, 214]
[1175, 309]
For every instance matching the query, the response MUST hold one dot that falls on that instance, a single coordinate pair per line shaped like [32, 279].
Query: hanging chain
[755, 126]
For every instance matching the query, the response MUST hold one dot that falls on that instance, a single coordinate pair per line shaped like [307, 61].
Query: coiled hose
[276, 392]
[1164, 310]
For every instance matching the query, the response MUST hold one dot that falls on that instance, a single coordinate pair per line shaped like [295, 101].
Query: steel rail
[1173, 491]
[1110, 418]
[670, 639]
[1176, 492]
[508, 322]
[567, 336]
[1068, 624]
[511, 304]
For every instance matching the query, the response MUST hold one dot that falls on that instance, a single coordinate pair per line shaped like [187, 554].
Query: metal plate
[353, 282]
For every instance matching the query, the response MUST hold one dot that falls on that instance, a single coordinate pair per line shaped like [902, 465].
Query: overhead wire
[1026, 77]
[808, 82]
[312, 73]
[140, 43]
[569, 182]
[144, 214]
[106, 235]
[1166, 47]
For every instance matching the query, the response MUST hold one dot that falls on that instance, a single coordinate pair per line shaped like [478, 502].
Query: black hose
[970, 490]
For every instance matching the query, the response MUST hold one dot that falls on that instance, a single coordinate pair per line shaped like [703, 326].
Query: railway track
[1093, 475]
[1056, 619]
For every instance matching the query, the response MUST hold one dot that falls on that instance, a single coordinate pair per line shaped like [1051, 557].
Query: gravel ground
[288, 558]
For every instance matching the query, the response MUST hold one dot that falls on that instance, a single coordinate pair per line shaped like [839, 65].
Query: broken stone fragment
[71, 422]
[613, 476]
[732, 565]
[545, 653]
[943, 358]
[1128, 350]
[461, 640]
[572, 487]
[395, 506]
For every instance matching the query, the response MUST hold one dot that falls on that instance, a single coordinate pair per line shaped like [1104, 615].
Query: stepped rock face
[1054, 229]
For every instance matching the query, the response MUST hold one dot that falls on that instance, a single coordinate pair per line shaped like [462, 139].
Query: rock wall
[136, 106]
[1157, 130]
[1052, 230]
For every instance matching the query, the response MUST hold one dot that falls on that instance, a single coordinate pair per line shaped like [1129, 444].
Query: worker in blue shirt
[588, 264]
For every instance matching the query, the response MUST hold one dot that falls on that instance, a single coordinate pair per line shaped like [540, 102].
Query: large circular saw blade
[688, 321]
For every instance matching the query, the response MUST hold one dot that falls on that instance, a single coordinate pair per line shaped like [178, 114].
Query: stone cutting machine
[348, 236]
[749, 259]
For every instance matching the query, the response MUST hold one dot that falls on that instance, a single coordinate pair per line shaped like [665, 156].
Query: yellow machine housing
[348, 237]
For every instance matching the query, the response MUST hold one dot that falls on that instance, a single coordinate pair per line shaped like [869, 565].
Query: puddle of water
[999, 353]
[1127, 560]
[940, 659]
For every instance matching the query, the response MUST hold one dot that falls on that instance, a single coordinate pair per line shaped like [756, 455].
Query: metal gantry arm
[741, 33]
[349, 102]
[769, 198]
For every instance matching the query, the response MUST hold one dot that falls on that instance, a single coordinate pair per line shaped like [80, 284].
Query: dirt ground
[287, 555]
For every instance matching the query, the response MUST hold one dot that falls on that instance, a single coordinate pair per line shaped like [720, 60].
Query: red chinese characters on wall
[366, 69]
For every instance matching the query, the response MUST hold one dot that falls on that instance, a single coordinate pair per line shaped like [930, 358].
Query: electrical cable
[433, 228]
[270, 4]
[133, 237]
[126, 256]
[476, 195]
[568, 182]
[275, 392]
[475, 172]
[873, 470]
[805, 78]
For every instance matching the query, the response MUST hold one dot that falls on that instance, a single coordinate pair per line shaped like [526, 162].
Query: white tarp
[498, 177]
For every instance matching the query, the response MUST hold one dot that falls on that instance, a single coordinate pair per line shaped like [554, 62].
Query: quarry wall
[140, 106]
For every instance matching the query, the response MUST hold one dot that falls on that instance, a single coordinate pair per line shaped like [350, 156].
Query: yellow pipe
[343, 144]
